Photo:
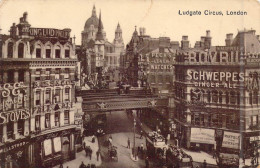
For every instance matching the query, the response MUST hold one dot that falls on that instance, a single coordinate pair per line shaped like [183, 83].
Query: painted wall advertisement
[231, 140]
[200, 135]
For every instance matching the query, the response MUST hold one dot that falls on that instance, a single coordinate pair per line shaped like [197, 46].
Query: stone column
[4, 133]
[42, 123]
[62, 118]
[5, 77]
[71, 117]
[224, 121]
[16, 76]
[26, 77]
[26, 127]
[52, 120]
[32, 124]
[15, 135]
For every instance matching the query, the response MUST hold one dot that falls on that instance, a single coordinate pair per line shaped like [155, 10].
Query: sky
[159, 17]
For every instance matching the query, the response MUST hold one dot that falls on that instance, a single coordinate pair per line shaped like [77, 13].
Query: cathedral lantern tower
[118, 41]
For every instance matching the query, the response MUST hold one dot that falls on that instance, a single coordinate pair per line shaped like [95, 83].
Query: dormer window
[20, 50]
[10, 50]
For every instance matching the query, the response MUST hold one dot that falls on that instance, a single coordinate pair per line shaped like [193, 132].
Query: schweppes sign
[47, 32]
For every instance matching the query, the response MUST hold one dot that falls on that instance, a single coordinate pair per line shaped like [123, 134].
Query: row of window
[55, 98]
[160, 79]
[47, 122]
[48, 73]
[38, 126]
[11, 76]
[21, 47]
[217, 96]
[215, 120]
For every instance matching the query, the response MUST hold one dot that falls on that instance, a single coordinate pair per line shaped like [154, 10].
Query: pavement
[81, 156]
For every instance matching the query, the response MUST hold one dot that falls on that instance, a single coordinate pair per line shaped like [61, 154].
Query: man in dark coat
[128, 143]
[98, 153]
[146, 162]
[204, 164]
[90, 153]
[82, 165]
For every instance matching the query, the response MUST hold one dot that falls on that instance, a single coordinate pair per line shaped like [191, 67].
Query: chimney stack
[229, 39]
[185, 43]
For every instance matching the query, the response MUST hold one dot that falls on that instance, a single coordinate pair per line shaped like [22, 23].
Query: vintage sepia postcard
[129, 83]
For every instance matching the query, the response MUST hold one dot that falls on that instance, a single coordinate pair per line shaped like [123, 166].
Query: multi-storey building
[148, 61]
[217, 93]
[37, 96]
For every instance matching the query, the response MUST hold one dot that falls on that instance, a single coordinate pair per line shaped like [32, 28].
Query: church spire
[94, 12]
[99, 33]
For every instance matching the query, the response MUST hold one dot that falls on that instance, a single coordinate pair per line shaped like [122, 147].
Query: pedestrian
[146, 162]
[166, 140]
[141, 134]
[244, 158]
[128, 143]
[90, 153]
[61, 165]
[84, 145]
[86, 150]
[204, 164]
[93, 139]
[88, 166]
[142, 148]
[67, 166]
[82, 165]
[98, 153]
[214, 154]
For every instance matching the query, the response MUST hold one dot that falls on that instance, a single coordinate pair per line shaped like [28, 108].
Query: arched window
[255, 97]
[48, 51]
[232, 98]
[220, 97]
[250, 98]
[20, 50]
[209, 97]
[227, 98]
[238, 98]
[57, 52]
[10, 50]
[38, 51]
[215, 96]
[67, 52]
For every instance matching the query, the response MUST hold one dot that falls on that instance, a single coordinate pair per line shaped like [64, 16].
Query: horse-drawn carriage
[112, 153]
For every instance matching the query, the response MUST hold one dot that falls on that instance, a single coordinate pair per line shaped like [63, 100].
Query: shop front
[15, 154]
[251, 143]
[54, 148]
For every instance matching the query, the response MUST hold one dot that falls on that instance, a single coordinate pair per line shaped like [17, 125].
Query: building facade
[148, 62]
[101, 54]
[38, 68]
[217, 93]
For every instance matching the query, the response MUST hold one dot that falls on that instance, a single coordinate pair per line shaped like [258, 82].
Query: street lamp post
[134, 139]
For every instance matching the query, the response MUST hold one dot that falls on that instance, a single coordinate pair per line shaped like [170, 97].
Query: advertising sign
[47, 147]
[201, 135]
[231, 140]
[215, 79]
[46, 32]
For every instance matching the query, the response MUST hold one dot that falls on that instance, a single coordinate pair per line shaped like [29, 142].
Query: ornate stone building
[100, 53]
[37, 96]
[217, 94]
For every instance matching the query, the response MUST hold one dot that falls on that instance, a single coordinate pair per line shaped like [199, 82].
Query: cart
[112, 153]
